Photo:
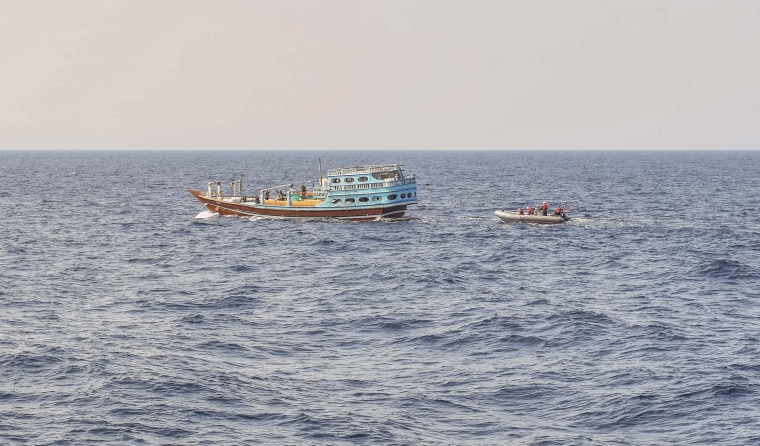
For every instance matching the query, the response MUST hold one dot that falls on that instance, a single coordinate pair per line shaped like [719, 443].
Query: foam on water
[205, 215]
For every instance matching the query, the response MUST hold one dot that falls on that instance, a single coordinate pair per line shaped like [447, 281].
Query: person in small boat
[544, 208]
[520, 211]
[530, 210]
[558, 211]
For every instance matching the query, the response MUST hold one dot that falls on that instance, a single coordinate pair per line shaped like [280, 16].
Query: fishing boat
[359, 193]
[513, 217]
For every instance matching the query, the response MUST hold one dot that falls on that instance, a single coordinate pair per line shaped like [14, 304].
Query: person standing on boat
[558, 210]
[303, 191]
[544, 208]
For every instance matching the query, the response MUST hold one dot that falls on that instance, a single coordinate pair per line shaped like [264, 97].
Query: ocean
[124, 319]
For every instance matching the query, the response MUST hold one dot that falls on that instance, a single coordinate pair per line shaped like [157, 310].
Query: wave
[33, 362]
[724, 269]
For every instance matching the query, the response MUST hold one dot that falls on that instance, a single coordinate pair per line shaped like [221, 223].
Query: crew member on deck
[530, 210]
[558, 211]
[544, 208]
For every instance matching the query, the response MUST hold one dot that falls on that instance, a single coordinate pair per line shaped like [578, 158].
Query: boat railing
[364, 169]
[408, 179]
[385, 183]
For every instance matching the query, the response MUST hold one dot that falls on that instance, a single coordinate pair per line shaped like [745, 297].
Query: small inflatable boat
[514, 217]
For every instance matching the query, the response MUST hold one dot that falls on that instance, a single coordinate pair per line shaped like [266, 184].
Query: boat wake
[475, 217]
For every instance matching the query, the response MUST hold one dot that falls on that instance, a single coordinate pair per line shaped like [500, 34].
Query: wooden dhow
[360, 193]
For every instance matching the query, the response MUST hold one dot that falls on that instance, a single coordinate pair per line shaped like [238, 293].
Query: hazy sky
[354, 74]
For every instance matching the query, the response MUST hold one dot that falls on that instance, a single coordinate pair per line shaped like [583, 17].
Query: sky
[372, 74]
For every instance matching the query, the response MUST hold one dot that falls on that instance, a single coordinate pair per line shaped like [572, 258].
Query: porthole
[363, 179]
[392, 196]
[377, 198]
[336, 180]
[350, 200]
[335, 200]
[403, 195]
[363, 199]
[348, 180]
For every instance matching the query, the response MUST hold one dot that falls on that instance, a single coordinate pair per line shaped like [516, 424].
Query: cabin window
[336, 180]
[363, 199]
[403, 195]
[392, 196]
[348, 180]
[377, 198]
[350, 200]
[363, 179]
[335, 200]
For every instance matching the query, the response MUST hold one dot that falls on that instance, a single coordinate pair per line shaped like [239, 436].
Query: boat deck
[301, 202]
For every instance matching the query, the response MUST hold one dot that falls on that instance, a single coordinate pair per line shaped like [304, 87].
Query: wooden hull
[245, 208]
[514, 217]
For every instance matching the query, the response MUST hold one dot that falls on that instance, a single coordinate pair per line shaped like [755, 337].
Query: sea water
[124, 319]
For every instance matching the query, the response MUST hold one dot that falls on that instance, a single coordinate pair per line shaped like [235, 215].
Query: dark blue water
[126, 320]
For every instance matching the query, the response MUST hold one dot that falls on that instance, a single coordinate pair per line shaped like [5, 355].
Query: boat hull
[514, 217]
[241, 208]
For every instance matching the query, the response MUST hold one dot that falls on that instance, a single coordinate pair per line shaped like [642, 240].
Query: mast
[320, 171]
